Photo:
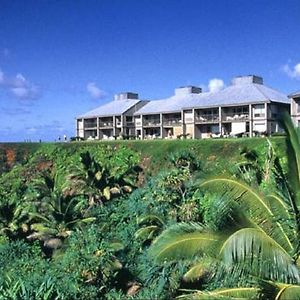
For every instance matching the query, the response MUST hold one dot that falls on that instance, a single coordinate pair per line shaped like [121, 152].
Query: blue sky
[59, 59]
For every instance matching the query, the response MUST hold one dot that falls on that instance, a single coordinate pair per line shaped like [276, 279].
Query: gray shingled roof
[234, 94]
[116, 107]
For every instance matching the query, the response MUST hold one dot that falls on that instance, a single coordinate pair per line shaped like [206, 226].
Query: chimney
[186, 90]
[239, 80]
[126, 96]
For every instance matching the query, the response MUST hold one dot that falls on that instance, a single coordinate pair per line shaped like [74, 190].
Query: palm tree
[53, 215]
[94, 180]
[260, 239]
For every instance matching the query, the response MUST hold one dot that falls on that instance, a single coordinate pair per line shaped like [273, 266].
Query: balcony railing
[235, 117]
[118, 122]
[172, 122]
[90, 124]
[207, 118]
[106, 124]
[151, 122]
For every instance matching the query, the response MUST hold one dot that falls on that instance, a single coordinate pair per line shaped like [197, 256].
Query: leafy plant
[262, 242]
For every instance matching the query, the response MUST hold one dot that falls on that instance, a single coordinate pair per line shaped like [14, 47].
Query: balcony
[151, 122]
[90, 124]
[172, 122]
[106, 124]
[129, 123]
[207, 118]
[235, 117]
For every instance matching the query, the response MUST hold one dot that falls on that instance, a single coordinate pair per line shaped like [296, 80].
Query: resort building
[110, 120]
[245, 108]
[295, 107]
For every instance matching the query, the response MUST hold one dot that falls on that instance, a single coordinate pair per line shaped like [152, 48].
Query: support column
[266, 118]
[142, 127]
[98, 128]
[220, 120]
[161, 125]
[194, 126]
[183, 125]
[122, 125]
[250, 121]
[114, 125]
[83, 129]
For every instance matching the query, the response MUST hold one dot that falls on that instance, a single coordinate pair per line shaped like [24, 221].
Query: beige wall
[295, 102]
[177, 130]
[189, 129]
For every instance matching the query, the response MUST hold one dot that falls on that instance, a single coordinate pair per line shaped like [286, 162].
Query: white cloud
[215, 85]
[292, 72]
[94, 91]
[19, 86]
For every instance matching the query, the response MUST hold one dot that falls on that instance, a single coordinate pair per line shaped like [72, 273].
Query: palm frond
[254, 204]
[254, 250]
[288, 292]
[145, 233]
[199, 270]
[285, 216]
[293, 154]
[151, 219]
[232, 293]
[184, 241]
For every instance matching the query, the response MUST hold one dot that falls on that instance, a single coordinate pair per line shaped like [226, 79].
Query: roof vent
[126, 96]
[239, 80]
[185, 90]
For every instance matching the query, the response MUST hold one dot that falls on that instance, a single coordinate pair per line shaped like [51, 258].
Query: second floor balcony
[90, 123]
[207, 118]
[172, 122]
[171, 119]
[151, 122]
[235, 116]
[106, 122]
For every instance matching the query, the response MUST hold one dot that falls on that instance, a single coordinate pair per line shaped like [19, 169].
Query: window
[259, 110]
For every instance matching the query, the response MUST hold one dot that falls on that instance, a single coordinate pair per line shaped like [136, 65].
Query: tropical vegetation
[92, 222]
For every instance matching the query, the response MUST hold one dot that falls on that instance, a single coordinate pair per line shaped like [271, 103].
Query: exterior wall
[190, 130]
[80, 128]
[108, 127]
[295, 110]
[247, 120]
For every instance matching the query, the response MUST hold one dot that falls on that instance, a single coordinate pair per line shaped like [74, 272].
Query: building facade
[245, 108]
[112, 120]
[295, 107]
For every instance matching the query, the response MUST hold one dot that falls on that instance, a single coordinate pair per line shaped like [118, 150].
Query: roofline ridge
[256, 86]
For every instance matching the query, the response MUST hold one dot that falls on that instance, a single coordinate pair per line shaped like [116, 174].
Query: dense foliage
[89, 223]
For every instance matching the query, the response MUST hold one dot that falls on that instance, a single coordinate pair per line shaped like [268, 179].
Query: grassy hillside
[214, 153]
